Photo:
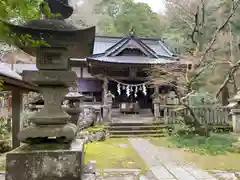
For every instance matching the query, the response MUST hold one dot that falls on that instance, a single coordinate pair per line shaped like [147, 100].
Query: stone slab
[199, 174]
[64, 133]
[179, 172]
[161, 172]
[46, 162]
[51, 77]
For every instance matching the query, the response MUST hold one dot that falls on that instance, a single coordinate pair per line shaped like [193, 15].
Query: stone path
[164, 166]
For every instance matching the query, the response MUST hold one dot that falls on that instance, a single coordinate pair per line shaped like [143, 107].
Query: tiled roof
[154, 51]
[134, 60]
[103, 43]
[6, 71]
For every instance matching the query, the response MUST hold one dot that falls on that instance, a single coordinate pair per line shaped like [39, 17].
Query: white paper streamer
[119, 89]
[144, 90]
[136, 90]
[128, 91]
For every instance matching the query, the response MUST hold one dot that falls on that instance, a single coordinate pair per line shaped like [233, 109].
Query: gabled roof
[105, 43]
[153, 51]
[130, 42]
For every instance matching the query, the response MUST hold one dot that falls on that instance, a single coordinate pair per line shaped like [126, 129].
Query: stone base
[46, 162]
[236, 123]
[74, 113]
[31, 134]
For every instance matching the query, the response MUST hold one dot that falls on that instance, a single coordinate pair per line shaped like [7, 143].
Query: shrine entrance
[131, 97]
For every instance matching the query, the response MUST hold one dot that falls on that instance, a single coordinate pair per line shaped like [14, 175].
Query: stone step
[145, 127]
[137, 135]
[135, 123]
[137, 132]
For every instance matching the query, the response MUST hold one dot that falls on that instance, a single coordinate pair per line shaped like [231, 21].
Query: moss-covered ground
[210, 153]
[114, 153]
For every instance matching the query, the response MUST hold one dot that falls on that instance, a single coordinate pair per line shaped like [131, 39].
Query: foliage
[5, 128]
[95, 129]
[227, 161]
[201, 98]
[5, 134]
[17, 12]
[24, 118]
[213, 145]
[119, 17]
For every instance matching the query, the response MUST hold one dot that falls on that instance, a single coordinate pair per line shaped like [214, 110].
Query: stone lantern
[51, 151]
[234, 106]
[74, 101]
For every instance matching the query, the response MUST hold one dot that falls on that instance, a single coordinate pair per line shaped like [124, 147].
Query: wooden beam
[17, 83]
[16, 112]
[9, 87]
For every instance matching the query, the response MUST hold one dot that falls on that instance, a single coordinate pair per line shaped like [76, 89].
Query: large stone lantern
[234, 106]
[51, 151]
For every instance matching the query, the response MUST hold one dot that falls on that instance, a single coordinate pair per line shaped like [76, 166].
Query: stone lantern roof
[234, 100]
[55, 33]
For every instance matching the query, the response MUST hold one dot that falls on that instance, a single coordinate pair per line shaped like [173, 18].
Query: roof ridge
[137, 40]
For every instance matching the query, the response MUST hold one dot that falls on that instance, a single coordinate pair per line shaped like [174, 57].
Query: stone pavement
[164, 166]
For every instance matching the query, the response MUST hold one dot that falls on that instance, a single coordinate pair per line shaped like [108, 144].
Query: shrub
[25, 115]
[5, 134]
[214, 144]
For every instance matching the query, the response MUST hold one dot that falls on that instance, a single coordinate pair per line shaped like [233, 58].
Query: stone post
[234, 105]
[109, 100]
[236, 120]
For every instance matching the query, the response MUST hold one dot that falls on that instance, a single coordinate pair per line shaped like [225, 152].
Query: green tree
[121, 16]
[17, 12]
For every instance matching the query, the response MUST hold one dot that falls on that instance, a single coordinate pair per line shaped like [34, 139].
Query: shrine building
[120, 65]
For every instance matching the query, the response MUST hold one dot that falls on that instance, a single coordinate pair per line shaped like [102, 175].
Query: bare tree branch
[233, 10]
[228, 77]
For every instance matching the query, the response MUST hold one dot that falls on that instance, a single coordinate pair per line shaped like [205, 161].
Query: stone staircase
[135, 125]
[136, 129]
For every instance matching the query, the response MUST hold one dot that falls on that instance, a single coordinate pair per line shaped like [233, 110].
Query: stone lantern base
[236, 120]
[46, 162]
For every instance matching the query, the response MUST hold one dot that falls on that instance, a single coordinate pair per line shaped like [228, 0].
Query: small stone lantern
[74, 100]
[234, 105]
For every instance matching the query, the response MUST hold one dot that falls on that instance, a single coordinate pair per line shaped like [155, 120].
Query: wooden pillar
[16, 112]
[105, 90]
[104, 94]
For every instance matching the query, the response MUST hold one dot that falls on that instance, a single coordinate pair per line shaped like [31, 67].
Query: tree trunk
[225, 96]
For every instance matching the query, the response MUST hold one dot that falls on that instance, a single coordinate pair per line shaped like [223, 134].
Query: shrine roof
[132, 60]
[103, 43]
[131, 50]
[12, 79]
[19, 68]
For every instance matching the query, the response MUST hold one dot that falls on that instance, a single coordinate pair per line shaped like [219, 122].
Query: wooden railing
[172, 114]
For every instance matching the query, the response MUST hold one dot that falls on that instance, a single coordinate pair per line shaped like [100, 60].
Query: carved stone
[46, 162]
[52, 112]
[62, 133]
[48, 59]
[51, 77]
